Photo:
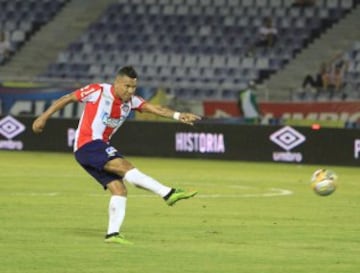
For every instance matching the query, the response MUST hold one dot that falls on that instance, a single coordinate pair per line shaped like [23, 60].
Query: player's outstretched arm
[163, 111]
[40, 122]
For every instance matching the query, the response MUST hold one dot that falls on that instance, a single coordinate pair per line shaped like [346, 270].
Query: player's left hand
[189, 118]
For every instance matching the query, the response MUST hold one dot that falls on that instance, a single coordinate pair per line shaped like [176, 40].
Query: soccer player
[106, 108]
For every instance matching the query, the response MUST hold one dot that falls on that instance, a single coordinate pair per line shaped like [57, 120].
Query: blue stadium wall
[327, 146]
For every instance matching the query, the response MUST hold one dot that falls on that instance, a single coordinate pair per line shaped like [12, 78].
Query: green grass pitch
[247, 217]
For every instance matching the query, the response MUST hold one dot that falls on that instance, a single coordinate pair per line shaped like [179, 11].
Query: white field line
[271, 192]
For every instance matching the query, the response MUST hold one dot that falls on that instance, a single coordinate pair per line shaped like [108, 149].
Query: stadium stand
[193, 46]
[196, 49]
[352, 76]
[350, 90]
[45, 44]
[21, 19]
[338, 38]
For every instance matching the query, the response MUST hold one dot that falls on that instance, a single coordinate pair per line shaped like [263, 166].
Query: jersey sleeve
[137, 103]
[88, 93]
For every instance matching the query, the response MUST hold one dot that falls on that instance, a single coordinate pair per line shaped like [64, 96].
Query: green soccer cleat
[179, 194]
[117, 239]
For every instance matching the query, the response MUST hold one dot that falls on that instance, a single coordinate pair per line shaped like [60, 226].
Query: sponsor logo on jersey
[111, 122]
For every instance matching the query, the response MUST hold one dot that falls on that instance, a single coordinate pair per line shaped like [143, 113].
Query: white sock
[134, 176]
[117, 207]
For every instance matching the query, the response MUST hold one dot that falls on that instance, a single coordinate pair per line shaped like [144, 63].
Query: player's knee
[119, 171]
[117, 188]
[121, 192]
[118, 167]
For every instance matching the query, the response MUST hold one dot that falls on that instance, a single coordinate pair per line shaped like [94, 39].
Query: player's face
[124, 87]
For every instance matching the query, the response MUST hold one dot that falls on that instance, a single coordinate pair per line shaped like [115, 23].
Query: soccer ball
[323, 182]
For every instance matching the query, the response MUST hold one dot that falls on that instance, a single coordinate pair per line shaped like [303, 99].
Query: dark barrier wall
[213, 141]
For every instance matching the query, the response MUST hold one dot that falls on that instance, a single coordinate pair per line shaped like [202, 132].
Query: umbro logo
[287, 138]
[10, 127]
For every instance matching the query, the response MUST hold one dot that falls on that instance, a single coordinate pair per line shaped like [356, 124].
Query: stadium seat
[21, 19]
[200, 39]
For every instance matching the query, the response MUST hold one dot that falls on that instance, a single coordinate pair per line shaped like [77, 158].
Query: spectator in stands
[248, 105]
[316, 82]
[266, 36]
[328, 79]
[303, 3]
[334, 78]
[5, 48]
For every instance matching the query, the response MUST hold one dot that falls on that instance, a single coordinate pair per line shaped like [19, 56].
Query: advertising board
[328, 146]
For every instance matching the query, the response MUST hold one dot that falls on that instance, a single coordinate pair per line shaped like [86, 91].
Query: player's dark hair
[127, 71]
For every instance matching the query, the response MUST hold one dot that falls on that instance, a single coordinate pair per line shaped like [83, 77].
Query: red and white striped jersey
[103, 114]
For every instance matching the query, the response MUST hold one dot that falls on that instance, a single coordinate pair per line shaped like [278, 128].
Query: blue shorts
[93, 156]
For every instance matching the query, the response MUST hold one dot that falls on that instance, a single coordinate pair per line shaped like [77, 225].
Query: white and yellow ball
[324, 182]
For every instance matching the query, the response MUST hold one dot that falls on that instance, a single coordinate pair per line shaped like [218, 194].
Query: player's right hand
[38, 125]
[189, 118]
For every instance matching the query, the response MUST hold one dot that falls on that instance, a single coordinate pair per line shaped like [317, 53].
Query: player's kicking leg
[130, 174]
[170, 195]
[178, 194]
